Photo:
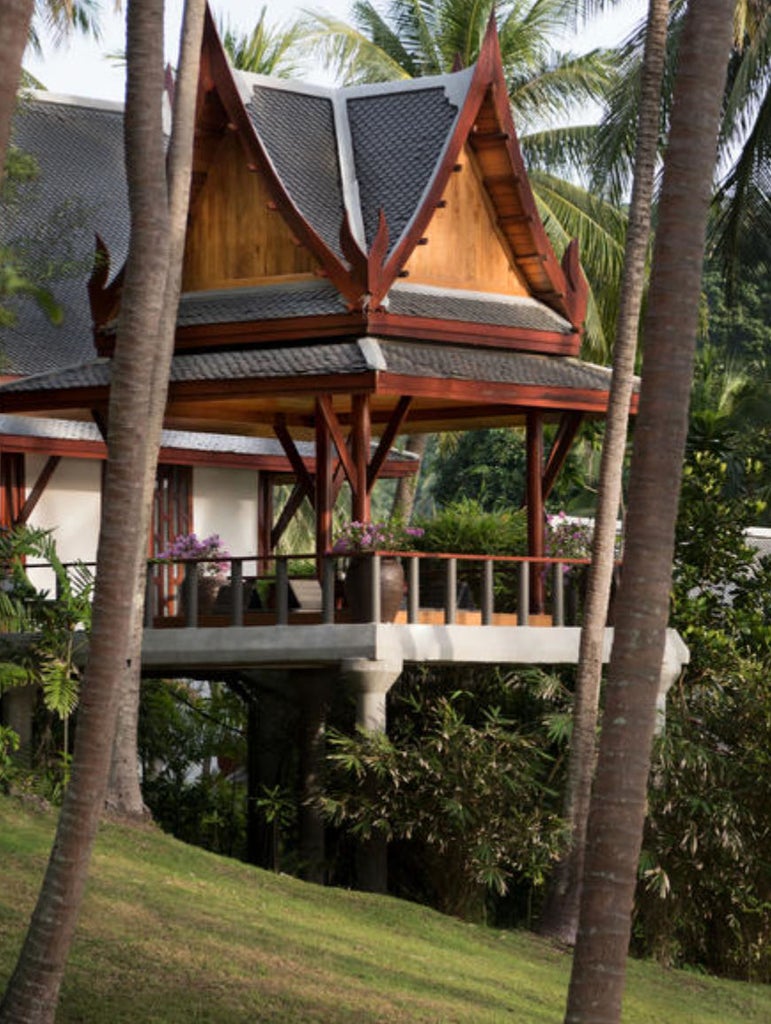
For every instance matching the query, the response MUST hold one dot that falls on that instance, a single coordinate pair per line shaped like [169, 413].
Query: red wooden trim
[476, 93]
[38, 490]
[566, 434]
[483, 392]
[361, 438]
[535, 509]
[12, 487]
[265, 494]
[223, 83]
[387, 438]
[468, 332]
[324, 501]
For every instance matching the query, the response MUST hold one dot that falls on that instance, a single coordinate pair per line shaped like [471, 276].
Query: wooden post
[361, 438]
[324, 500]
[535, 510]
[264, 521]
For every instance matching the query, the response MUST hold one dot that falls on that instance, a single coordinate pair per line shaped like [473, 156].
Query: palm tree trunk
[619, 796]
[560, 917]
[133, 440]
[124, 793]
[14, 32]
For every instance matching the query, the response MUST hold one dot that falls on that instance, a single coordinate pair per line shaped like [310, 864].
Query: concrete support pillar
[371, 681]
[18, 713]
[676, 655]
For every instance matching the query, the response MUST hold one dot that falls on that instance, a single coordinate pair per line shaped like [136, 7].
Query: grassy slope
[172, 934]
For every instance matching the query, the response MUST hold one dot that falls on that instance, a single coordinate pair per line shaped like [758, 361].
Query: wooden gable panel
[235, 236]
[464, 247]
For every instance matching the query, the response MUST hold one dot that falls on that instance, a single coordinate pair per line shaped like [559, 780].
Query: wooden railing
[447, 588]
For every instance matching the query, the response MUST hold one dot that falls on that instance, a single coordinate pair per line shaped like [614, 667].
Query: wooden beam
[324, 502]
[326, 410]
[566, 434]
[37, 491]
[265, 548]
[289, 511]
[387, 439]
[295, 459]
[361, 439]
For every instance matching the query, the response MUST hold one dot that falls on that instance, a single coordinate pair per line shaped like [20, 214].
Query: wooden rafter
[566, 434]
[37, 491]
[387, 438]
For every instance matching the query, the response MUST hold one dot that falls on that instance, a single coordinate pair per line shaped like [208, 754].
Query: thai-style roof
[379, 240]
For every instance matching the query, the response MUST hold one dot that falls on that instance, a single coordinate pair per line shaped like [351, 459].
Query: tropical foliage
[742, 204]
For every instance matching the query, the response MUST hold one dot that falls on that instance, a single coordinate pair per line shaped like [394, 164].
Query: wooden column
[535, 509]
[264, 521]
[361, 438]
[323, 484]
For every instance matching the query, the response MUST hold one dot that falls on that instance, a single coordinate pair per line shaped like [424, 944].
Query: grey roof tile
[398, 139]
[408, 358]
[475, 307]
[269, 302]
[80, 189]
[298, 131]
[458, 362]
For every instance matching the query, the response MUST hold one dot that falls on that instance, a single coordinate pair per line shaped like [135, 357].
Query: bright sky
[81, 67]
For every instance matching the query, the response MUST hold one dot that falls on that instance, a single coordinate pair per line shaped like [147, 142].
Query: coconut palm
[742, 200]
[619, 795]
[411, 38]
[265, 50]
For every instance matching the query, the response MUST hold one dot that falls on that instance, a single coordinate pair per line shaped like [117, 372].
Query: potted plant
[212, 561]
[358, 540]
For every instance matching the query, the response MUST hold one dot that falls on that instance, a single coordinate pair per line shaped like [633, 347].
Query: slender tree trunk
[134, 435]
[560, 916]
[407, 486]
[14, 32]
[124, 792]
[619, 796]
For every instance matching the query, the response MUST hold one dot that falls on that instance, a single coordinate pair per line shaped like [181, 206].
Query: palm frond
[569, 211]
[266, 50]
[351, 56]
[560, 150]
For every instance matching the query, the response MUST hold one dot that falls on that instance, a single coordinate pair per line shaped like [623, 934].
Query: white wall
[69, 507]
[225, 502]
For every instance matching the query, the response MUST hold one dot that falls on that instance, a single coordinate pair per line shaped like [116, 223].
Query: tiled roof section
[230, 444]
[457, 362]
[298, 132]
[407, 358]
[80, 189]
[475, 307]
[260, 363]
[268, 302]
[398, 139]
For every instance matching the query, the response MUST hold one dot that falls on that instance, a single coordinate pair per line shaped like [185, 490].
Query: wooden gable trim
[486, 123]
[217, 75]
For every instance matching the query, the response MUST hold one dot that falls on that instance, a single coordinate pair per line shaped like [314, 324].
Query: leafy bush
[470, 798]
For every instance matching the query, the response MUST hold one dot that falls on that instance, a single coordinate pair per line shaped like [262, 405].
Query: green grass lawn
[172, 935]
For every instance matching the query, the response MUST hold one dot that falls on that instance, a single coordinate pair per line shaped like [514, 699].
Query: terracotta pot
[357, 594]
